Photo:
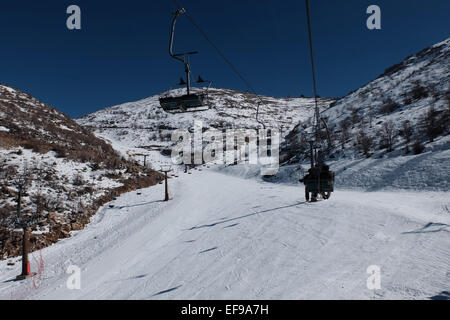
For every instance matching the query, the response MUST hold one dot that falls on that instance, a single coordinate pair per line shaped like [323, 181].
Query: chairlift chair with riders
[193, 100]
[320, 180]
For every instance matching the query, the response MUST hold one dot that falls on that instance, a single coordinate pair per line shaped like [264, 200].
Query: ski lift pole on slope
[22, 183]
[166, 169]
[145, 156]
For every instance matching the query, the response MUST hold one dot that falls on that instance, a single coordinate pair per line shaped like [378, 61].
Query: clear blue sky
[120, 54]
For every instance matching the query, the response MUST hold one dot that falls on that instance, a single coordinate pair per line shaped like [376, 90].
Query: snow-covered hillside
[144, 124]
[66, 172]
[392, 132]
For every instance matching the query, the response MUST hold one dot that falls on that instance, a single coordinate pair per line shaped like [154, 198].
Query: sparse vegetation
[364, 143]
[344, 135]
[355, 118]
[406, 132]
[446, 116]
[393, 69]
[418, 147]
[389, 106]
[78, 180]
[433, 127]
[419, 92]
[387, 135]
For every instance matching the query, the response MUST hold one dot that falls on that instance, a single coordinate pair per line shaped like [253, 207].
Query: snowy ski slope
[223, 237]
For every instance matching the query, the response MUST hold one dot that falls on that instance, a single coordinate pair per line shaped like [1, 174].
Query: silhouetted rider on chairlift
[316, 174]
[311, 176]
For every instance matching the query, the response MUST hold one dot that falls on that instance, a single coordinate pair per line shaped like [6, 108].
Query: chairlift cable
[313, 69]
[235, 70]
[316, 111]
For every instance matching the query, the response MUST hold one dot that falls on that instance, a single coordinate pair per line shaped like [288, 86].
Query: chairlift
[320, 180]
[191, 101]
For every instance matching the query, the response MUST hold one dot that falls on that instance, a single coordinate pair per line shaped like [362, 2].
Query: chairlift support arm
[172, 33]
[185, 61]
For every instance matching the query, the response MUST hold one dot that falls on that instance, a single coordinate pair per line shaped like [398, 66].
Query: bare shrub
[406, 133]
[389, 106]
[387, 135]
[59, 151]
[364, 143]
[446, 116]
[433, 127]
[78, 180]
[418, 147]
[419, 92]
[355, 118]
[345, 133]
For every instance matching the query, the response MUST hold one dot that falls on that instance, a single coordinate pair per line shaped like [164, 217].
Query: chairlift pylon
[191, 101]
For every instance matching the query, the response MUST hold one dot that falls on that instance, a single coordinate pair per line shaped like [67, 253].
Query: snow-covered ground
[225, 237]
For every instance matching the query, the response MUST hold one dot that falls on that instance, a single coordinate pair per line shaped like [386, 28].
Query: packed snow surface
[225, 237]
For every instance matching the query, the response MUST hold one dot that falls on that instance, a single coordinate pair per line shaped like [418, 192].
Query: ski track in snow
[224, 237]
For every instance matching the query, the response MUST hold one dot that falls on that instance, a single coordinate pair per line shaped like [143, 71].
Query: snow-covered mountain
[224, 237]
[143, 123]
[392, 132]
[67, 171]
